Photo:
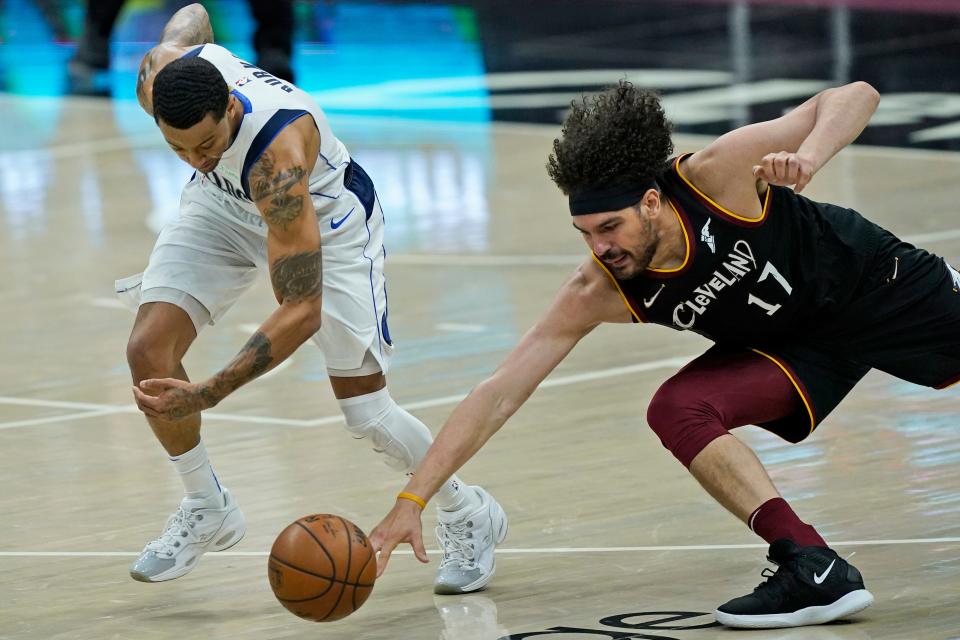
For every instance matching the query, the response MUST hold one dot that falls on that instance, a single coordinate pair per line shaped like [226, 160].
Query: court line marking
[527, 551]
[93, 410]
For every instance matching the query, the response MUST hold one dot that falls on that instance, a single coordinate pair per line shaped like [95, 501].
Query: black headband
[596, 200]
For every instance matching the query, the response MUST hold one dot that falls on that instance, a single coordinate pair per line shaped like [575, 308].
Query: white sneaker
[190, 532]
[468, 538]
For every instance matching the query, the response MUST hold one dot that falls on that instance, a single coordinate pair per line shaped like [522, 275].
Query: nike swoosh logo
[649, 302]
[335, 224]
[819, 579]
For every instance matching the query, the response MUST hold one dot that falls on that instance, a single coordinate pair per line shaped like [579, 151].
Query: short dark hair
[186, 90]
[620, 137]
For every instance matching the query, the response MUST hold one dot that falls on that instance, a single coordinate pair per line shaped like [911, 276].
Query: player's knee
[149, 357]
[684, 421]
[399, 437]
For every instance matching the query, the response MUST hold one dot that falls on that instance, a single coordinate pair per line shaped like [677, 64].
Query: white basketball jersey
[269, 104]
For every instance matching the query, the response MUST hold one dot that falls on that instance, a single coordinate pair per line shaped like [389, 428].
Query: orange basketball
[322, 567]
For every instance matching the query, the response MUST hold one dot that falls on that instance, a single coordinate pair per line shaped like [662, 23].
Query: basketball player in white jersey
[274, 190]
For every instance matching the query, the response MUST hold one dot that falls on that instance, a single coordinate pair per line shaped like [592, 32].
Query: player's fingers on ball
[383, 559]
[375, 542]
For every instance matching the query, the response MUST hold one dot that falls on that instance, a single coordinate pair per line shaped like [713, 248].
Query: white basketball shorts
[203, 261]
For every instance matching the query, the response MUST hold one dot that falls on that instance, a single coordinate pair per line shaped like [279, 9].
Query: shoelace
[457, 544]
[779, 581]
[179, 527]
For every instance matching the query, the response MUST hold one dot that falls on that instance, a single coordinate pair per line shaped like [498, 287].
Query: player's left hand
[785, 169]
[402, 524]
[170, 399]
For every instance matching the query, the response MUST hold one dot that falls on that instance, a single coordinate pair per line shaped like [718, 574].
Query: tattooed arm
[278, 185]
[187, 28]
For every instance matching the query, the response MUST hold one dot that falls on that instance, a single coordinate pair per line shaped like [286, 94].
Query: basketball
[322, 567]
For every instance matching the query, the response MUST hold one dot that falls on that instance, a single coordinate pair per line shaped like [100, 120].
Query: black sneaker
[813, 585]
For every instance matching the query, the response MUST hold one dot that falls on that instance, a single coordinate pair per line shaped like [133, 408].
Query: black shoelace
[778, 583]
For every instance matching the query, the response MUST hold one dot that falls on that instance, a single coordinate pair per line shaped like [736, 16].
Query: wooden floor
[604, 524]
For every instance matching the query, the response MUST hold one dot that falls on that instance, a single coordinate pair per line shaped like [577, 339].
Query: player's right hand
[402, 524]
[785, 169]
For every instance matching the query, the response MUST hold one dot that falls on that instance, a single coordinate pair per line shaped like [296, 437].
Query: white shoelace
[457, 544]
[179, 529]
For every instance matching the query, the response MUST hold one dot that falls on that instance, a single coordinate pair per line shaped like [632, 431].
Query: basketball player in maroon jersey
[801, 299]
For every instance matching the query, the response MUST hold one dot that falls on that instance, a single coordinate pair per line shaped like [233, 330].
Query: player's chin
[625, 272]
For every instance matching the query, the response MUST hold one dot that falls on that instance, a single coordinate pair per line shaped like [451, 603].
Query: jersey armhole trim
[193, 53]
[637, 319]
[796, 385]
[686, 238]
[716, 207]
[262, 140]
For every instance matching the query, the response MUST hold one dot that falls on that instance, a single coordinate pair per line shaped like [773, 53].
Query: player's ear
[650, 203]
[234, 106]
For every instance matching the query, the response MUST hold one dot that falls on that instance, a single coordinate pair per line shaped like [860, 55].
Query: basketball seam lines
[318, 575]
[336, 604]
[333, 564]
[360, 573]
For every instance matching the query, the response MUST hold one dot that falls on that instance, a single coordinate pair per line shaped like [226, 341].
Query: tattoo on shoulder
[268, 182]
[146, 71]
[298, 276]
[187, 27]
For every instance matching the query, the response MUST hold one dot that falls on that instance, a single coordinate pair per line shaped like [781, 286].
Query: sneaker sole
[219, 543]
[847, 605]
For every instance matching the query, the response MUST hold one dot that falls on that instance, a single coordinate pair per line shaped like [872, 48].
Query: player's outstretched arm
[278, 185]
[786, 151]
[187, 28]
[585, 301]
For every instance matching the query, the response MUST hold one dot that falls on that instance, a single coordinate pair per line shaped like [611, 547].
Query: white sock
[401, 438]
[199, 480]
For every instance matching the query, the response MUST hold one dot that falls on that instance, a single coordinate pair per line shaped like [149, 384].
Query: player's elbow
[196, 7]
[313, 319]
[859, 91]
[867, 93]
[307, 316]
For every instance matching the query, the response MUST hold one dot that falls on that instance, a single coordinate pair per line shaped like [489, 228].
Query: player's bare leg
[208, 518]
[730, 472]
[692, 413]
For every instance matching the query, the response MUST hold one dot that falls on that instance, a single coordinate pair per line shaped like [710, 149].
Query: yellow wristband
[412, 498]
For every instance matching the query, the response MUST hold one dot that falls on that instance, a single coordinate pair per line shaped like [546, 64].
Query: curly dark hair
[186, 90]
[617, 138]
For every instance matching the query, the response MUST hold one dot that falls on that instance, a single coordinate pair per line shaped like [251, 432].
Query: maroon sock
[774, 519]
